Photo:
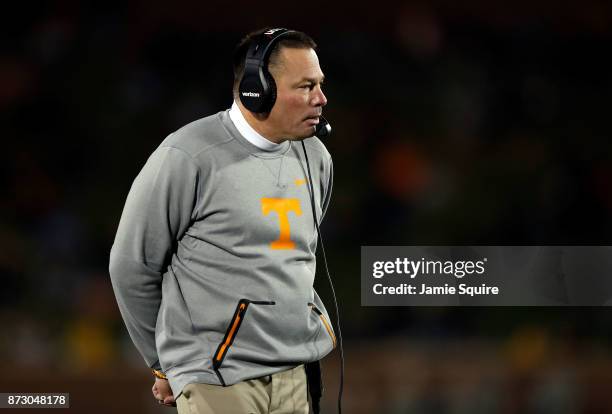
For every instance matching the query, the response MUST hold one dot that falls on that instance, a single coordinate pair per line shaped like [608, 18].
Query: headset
[257, 88]
[257, 93]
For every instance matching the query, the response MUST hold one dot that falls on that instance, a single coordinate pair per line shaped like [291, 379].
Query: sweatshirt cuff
[156, 366]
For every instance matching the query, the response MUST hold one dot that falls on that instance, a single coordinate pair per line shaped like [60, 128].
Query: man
[214, 259]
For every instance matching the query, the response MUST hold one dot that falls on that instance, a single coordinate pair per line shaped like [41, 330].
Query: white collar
[248, 132]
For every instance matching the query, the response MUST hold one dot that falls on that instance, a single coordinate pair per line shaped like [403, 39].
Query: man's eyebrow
[312, 80]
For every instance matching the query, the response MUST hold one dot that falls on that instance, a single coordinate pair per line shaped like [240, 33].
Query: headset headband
[260, 50]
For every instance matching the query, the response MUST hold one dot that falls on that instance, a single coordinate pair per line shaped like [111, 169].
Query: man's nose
[319, 98]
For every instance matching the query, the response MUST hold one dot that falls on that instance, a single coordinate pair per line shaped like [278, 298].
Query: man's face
[299, 99]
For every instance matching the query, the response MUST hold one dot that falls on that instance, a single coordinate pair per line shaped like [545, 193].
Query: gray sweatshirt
[213, 263]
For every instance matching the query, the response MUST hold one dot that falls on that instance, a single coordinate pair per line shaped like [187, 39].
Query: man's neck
[259, 123]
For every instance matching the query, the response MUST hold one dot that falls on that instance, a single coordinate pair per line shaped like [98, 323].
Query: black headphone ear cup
[271, 98]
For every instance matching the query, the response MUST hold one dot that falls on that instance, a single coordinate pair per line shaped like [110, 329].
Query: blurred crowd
[453, 125]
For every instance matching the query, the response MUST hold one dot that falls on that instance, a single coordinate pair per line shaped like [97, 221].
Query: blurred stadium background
[454, 123]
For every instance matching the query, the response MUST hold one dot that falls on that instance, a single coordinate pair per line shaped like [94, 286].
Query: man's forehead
[300, 63]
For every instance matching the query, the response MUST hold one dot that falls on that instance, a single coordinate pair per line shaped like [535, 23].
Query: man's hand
[163, 393]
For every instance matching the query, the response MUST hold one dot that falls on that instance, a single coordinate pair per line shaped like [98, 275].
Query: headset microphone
[323, 129]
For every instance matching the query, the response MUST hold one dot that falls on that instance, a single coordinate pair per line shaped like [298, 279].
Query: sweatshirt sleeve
[158, 210]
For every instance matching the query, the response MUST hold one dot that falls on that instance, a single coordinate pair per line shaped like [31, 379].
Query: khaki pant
[280, 393]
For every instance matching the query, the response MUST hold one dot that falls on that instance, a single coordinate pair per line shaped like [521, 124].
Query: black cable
[331, 284]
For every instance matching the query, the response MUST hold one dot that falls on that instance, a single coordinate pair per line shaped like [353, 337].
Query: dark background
[471, 123]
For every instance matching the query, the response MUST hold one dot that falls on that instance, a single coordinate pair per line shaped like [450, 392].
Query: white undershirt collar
[248, 132]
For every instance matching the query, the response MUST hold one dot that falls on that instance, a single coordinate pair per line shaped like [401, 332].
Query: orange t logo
[282, 206]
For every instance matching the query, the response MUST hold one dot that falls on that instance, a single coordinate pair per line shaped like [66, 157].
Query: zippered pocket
[231, 332]
[327, 325]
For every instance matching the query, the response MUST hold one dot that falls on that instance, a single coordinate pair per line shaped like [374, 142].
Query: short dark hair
[294, 40]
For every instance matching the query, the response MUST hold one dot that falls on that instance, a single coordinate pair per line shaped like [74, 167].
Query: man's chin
[303, 134]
